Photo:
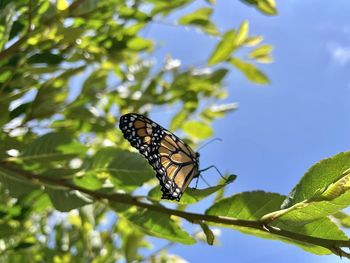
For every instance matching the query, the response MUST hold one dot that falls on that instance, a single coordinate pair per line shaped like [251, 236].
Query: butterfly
[174, 162]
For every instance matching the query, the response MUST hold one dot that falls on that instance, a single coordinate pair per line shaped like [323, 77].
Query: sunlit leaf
[343, 219]
[166, 7]
[241, 34]
[125, 169]
[268, 7]
[201, 19]
[223, 49]
[253, 41]
[247, 205]
[62, 5]
[253, 205]
[198, 129]
[6, 21]
[179, 119]
[319, 176]
[139, 44]
[250, 71]
[218, 111]
[260, 52]
[89, 180]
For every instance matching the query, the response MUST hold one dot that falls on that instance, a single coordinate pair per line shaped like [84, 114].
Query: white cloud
[340, 54]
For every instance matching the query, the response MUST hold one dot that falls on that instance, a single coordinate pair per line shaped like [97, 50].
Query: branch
[330, 244]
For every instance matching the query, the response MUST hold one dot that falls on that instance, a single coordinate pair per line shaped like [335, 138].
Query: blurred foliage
[68, 70]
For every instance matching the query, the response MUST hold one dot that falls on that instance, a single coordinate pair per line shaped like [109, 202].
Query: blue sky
[279, 130]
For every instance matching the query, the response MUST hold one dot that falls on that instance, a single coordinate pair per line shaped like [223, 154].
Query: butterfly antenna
[212, 140]
[213, 166]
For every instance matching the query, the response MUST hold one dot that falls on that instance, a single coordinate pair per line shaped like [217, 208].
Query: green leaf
[132, 13]
[224, 180]
[230, 41]
[250, 71]
[5, 75]
[70, 34]
[24, 245]
[6, 21]
[218, 111]
[125, 169]
[198, 130]
[4, 116]
[46, 58]
[260, 52]
[14, 184]
[48, 147]
[264, 59]
[201, 19]
[160, 225]
[319, 176]
[166, 7]
[253, 41]
[66, 200]
[179, 119]
[217, 76]
[305, 212]
[62, 5]
[134, 29]
[132, 243]
[322, 228]
[268, 7]
[199, 14]
[254, 205]
[89, 180]
[139, 44]
[247, 205]
[337, 188]
[343, 219]
[241, 34]
[324, 202]
[86, 7]
[223, 49]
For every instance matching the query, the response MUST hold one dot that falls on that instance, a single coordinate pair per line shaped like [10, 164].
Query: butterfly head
[196, 158]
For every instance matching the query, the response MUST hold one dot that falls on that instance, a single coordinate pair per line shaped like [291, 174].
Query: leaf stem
[331, 244]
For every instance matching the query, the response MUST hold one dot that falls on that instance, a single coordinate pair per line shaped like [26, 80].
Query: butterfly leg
[196, 183]
[213, 166]
[205, 181]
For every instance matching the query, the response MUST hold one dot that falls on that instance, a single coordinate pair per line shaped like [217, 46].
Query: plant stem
[330, 244]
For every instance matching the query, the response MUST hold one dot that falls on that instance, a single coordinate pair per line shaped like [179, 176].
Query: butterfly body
[175, 163]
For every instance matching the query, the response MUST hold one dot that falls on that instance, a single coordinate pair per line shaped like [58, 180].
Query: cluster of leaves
[68, 69]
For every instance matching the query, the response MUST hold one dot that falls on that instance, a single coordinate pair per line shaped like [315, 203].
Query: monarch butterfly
[175, 163]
